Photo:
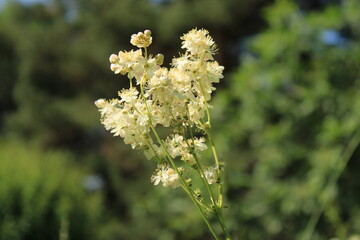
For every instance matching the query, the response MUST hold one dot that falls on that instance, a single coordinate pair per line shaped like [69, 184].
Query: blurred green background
[286, 117]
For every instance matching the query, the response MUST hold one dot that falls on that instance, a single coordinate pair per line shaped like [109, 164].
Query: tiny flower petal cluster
[211, 175]
[167, 176]
[141, 40]
[199, 43]
[124, 62]
[175, 98]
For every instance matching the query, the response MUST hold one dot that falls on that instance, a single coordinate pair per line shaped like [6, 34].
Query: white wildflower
[156, 178]
[176, 97]
[101, 103]
[167, 175]
[188, 157]
[141, 40]
[159, 79]
[128, 95]
[125, 62]
[199, 144]
[211, 175]
[199, 43]
[176, 146]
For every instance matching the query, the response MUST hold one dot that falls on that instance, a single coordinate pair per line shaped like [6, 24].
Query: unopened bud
[189, 182]
[147, 32]
[159, 59]
[100, 103]
[115, 68]
[113, 58]
[197, 193]
[181, 170]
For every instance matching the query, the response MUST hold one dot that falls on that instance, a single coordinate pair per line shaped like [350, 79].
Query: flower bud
[141, 40]
[113, 58]
[159, 59]
[189, 182]
[100, 103]
[147, 32]
[181, 170]
[197, 193]
[115, 68]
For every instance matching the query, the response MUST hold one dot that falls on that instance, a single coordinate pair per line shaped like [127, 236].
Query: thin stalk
[188, 191]
[213, 148]
[220, 185]
[183, 184]
[200, 170]
[145, 53]
[203, 204]
[217, 208]
[216, 158]
[130, 83]
[172, 163]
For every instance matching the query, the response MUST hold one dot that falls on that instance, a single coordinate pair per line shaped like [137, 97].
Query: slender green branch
[184, 185]
[183, 182]
[218, 205]
[160, 101]
[213, 148]
[217, 208]
[216, 158]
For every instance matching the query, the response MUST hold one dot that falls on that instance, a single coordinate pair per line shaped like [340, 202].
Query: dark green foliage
[294, 125]
[42, 196]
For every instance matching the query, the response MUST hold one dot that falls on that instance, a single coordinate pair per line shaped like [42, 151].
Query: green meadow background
[286, 120]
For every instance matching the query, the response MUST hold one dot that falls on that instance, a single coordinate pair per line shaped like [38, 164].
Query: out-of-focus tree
[41, 40]
[290, 126]
[227, 20]
[42, 197]
[58, 56]
[8, 74]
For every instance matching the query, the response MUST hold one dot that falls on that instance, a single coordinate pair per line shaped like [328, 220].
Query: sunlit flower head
[142, 39]
[175, 97]
[199, 43]
[167, 176]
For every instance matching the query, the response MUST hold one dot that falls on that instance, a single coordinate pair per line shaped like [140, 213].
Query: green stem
[216, 158]
[203, 204]
[183, 183]
[217, 208]
[145, 53]
[172, 163]
[215, 155]
[220, 185]
[200, 170]
[213, 148]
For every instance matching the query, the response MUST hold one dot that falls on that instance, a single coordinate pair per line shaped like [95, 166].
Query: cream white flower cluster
[168, 176]
[175, 97]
